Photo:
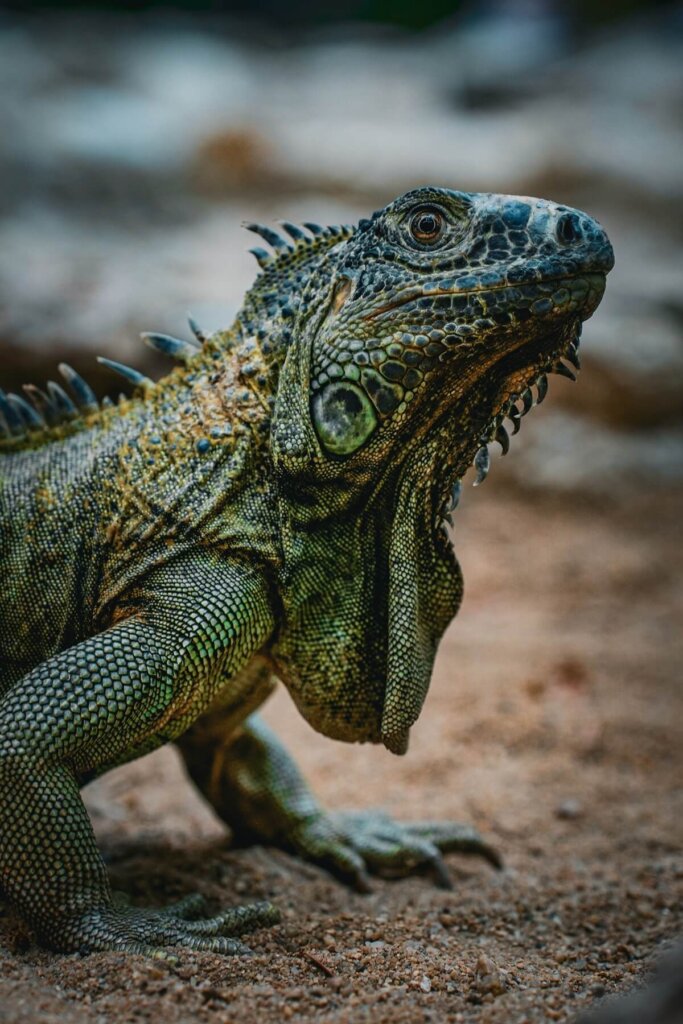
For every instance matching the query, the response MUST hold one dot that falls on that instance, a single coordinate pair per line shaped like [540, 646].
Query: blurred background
[134, 140]
[136, 137]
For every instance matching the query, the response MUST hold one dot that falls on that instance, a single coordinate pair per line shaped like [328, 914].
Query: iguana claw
[357, 844]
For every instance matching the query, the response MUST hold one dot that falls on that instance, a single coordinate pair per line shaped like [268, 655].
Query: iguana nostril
[568, 228]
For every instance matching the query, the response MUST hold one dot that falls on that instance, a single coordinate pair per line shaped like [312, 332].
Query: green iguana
[274, 507]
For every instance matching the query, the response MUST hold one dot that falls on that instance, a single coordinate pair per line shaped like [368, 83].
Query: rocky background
[132, 146]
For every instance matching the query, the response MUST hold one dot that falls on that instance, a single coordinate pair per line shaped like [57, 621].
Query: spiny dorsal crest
[26, 418]
[287, 253]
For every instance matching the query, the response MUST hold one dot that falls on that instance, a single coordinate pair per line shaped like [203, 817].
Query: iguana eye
[427, 225]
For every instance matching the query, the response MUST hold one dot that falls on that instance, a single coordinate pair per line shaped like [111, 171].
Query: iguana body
[273, 507]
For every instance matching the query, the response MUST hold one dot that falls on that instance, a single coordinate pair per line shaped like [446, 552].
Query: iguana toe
[152, 932]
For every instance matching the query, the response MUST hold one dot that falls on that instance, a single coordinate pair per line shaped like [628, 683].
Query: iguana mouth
[591, 279]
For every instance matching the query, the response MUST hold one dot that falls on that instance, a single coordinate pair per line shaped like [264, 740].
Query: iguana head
[415, 338]
[438, 311]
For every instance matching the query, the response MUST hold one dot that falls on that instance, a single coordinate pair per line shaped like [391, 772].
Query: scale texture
[274, 508]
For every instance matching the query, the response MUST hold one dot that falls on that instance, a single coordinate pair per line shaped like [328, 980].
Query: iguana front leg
[101, 702]
[254, 786]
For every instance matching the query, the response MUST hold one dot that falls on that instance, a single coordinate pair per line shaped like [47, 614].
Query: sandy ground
[554, 723]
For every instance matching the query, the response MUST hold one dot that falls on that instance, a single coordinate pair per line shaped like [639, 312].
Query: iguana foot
[151, 932]
[356, 844]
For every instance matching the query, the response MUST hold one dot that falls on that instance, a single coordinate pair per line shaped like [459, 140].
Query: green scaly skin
[274, 507]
